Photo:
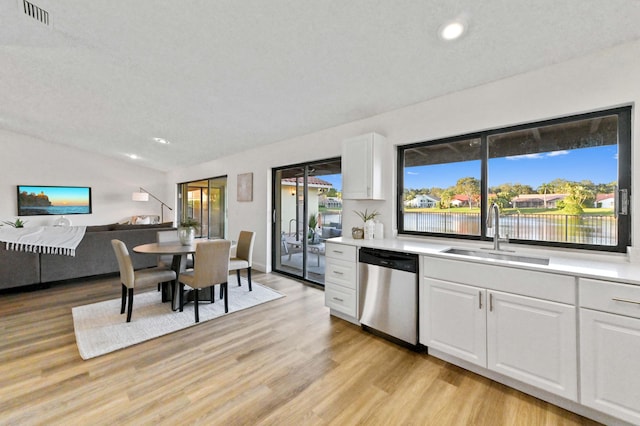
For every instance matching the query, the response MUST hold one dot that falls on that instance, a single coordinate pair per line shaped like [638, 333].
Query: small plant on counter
[19, 223]
[365, 215]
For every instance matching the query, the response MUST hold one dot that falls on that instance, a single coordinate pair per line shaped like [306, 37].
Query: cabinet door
[454, 320]
[610, 369]
[362, 167]
[533, 341]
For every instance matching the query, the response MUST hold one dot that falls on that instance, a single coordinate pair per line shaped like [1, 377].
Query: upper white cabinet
[362, 167]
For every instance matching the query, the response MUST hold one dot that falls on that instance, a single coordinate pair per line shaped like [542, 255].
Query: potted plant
[187, 230]
[312, 235]
[369, 226]
[19, 223]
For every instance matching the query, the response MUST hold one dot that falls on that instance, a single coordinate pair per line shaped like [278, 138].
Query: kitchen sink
[498, 256]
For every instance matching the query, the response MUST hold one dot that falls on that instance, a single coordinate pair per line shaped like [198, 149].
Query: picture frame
[245, 187]
[42, 200]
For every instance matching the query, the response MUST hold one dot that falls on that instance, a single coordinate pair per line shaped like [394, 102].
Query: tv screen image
[53, 200]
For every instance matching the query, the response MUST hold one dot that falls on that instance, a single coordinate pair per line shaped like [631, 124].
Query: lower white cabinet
[534, 341]
[340, 282]
[525, 338]
[456, 321]
[610, 348]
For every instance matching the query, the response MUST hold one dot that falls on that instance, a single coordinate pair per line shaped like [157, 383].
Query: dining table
[179, 252]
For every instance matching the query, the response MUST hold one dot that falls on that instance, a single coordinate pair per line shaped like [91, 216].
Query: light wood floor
[286, 362]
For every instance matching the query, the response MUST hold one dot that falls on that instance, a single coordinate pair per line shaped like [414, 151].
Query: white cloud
[538, 156]
[556, 153]
[525, 157]
[413, 173]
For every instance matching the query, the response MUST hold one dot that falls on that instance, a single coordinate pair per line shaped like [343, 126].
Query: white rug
[100, 328]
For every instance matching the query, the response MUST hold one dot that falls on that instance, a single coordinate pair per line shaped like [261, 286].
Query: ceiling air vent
[35, 12]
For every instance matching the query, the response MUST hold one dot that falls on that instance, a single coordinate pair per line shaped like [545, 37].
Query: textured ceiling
[218, 77]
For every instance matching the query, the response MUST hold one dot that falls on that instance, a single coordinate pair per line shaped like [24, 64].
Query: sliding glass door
[205, 201]
[307, 202]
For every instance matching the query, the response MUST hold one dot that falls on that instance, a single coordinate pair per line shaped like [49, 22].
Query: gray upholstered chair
[130, 278]
[244, 253]
[211, 267]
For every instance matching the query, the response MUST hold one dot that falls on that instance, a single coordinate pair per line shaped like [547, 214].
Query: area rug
[100, 328]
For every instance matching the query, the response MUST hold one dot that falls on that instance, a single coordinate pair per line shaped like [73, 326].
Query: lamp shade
[140, 196]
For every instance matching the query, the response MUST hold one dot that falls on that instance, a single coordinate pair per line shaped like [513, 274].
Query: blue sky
[335, 180]
[598, 164]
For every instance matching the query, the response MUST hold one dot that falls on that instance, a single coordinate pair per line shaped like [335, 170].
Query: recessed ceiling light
[163, 141]
[132, 156]
[452, 30]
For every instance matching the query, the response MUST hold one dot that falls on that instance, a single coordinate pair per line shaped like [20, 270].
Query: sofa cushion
[124, 227]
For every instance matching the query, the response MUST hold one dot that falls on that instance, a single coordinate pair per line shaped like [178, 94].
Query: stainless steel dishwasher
[389, 293]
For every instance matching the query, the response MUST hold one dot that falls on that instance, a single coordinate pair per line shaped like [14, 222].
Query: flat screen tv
[53, 200]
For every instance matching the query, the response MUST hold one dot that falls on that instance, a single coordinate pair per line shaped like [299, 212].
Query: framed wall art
[245, 187]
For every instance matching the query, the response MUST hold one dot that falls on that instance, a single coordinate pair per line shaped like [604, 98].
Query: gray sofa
[94, 256]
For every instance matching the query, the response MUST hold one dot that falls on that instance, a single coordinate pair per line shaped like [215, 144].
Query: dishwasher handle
[389, 259]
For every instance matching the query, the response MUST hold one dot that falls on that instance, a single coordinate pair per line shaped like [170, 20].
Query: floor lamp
[143, 195]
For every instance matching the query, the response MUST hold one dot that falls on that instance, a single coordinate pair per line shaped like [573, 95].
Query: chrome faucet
[494, 216]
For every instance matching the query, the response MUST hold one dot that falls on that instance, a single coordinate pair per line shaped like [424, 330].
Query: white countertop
[585, 265]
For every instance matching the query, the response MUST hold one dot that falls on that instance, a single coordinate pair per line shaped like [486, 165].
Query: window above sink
[560, 183]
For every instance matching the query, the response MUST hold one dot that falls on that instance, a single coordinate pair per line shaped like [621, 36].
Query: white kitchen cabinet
[362, 167]
[456, 321]
[470, 316]
[533, 341]
[341, 281]
[610, 348]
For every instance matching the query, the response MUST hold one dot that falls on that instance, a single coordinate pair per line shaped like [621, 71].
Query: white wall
[603, 80]
[28, 161]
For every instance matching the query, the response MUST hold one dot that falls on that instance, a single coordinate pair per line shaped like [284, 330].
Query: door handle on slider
[490, 302]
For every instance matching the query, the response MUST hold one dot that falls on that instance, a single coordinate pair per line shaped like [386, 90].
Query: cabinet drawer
[341, 272]
[341, 252]
[341, 299]
[623, 299]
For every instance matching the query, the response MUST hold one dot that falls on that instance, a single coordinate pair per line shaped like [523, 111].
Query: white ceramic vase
[369, 229]
[186, 235]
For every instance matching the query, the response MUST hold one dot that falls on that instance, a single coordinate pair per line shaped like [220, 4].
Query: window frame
[624, 115]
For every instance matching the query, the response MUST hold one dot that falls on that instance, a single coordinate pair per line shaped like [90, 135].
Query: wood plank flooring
[286, 362]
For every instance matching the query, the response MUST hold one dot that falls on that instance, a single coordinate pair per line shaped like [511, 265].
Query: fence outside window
[578, 229]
